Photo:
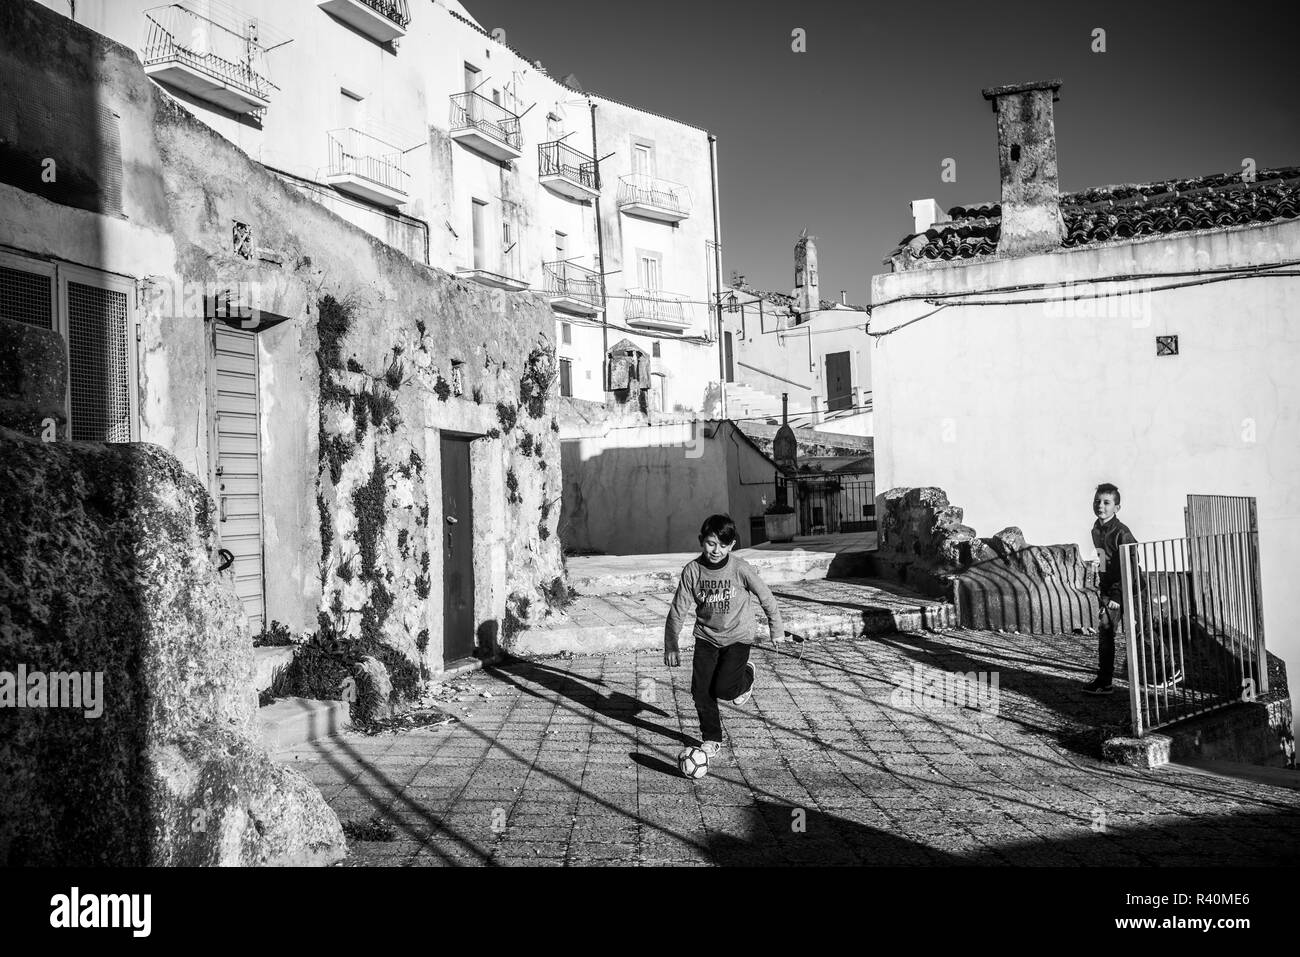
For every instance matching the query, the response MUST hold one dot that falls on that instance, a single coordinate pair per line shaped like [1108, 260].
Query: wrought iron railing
[353, 151]
[649, 191]
[569, 280]
[1193, 621]
[475, 111]
[559, 158]
[177, 34]
[830, 504]
[395, 10]
[657, 306]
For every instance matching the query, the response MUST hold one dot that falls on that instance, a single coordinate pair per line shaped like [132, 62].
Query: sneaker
[753, 676]
[1169, 683]
[711, 748]
[1099, 689]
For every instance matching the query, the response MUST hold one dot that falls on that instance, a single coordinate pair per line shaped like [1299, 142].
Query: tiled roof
[1119, 212]
[780, 299]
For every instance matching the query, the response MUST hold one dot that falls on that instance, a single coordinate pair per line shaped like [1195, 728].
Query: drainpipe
[600, 260]
[717, 275]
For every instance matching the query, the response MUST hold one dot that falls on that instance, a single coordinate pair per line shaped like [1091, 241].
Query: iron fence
[176, 34]
[395, 10]
[650, 191]
[1193, 622]
[569, 280]
[655, 305]
[475, 111]
[360, 154]
[560, 159]
[830, 505]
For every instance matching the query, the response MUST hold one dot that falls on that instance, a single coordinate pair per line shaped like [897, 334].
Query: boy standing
[1108, 535]
[719, 585]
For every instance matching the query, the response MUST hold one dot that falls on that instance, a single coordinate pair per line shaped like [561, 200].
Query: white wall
[1019, 411]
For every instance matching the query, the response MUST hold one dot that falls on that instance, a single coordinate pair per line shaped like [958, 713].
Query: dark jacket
[1107, 539]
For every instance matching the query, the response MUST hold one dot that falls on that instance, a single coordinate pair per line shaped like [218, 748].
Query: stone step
[267, 661]
[291, 721]
[602, 624]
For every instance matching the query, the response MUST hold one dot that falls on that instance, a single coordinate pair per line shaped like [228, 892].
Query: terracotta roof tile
[1103, 213]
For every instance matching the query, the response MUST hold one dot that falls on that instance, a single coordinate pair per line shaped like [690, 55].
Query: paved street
[571, 761]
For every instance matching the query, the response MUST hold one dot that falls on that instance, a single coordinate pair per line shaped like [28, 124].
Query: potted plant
[780, 522]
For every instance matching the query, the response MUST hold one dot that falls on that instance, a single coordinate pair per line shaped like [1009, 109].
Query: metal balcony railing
[558, 158]
[650, 191]
[176, 34]
[353, 151]
[571, 281]
[655, 305]
[475, 111]
[395, 10]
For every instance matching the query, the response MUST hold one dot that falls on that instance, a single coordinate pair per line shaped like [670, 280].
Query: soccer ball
[693, 762]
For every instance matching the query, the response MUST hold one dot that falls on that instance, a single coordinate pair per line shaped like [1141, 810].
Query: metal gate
[1193, 614]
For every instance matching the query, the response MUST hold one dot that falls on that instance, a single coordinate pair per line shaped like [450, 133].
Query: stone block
[33, 377]
[172, 748]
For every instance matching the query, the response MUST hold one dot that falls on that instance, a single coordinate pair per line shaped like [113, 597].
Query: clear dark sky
[841, 138]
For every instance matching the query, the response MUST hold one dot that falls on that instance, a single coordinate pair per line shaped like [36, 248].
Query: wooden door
[457, 551]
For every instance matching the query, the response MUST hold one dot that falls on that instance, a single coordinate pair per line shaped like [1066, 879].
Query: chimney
[1031, 193]
[925, 213]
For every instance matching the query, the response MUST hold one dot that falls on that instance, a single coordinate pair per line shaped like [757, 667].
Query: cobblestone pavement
[572, 761]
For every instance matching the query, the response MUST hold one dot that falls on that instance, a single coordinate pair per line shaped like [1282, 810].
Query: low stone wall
[999, 582]
[127, 730]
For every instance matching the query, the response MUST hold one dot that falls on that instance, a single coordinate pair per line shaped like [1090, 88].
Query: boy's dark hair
[1107, 487]
[721, 526]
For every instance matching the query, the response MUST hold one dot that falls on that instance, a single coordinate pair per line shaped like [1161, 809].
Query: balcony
[573, 288]
[504, 273]
[223, 63]
[657, 309]
[362, 165]
[567, 171]
[486, 126]
[381, 20]
[651, 198]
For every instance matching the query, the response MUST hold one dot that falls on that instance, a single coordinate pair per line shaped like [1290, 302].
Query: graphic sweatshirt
[724, 610]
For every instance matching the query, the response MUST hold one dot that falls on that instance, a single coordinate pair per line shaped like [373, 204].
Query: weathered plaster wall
[1020, 411]
[183, 186]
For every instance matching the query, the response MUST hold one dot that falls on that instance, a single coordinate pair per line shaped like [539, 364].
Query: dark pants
[1157, 651]
[717, 673]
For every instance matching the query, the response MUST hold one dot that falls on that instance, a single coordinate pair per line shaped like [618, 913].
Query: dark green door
[457, 552]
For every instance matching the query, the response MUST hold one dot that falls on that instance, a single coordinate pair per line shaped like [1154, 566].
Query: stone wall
[998, 582]
[108, 573]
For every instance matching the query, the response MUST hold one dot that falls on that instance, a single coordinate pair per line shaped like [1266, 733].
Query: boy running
[719, 585]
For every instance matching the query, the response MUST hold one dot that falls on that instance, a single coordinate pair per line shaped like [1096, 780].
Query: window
[92, 311]
[566, 333]
[731, 371]
[649, 267]
[561, 246]
[654, 349]
[643, 158]
[471, 77]
[566, 377]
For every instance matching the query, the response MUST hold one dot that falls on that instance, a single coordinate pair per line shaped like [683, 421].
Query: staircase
[747, 402]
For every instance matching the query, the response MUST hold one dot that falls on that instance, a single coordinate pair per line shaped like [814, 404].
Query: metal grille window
[98, 364]
[26, 297]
